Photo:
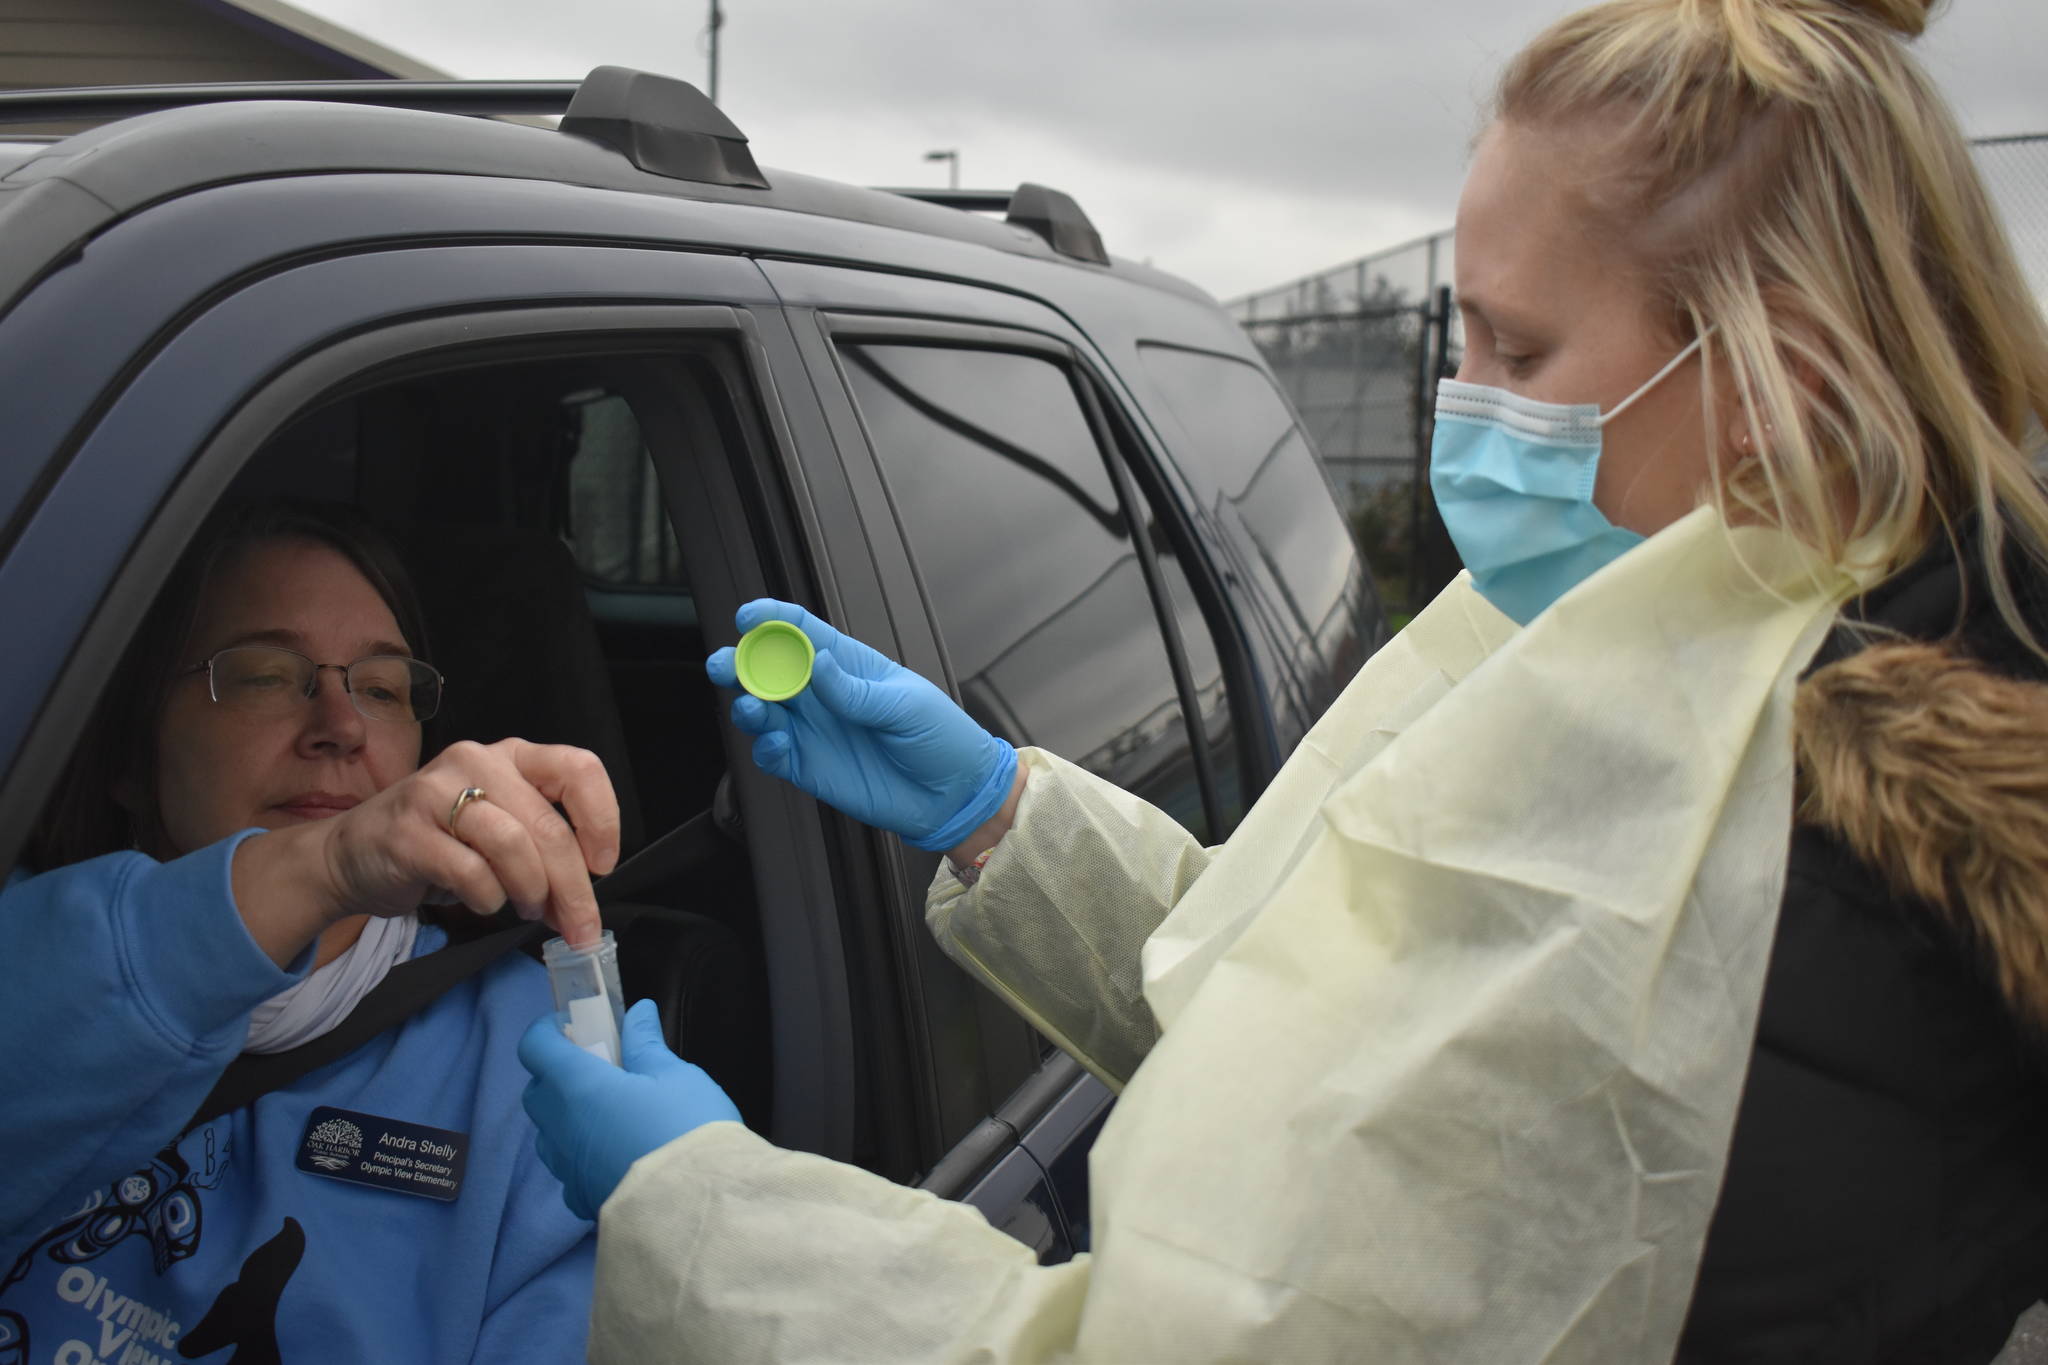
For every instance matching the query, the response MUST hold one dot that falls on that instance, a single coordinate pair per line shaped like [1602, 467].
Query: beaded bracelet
[971, 873]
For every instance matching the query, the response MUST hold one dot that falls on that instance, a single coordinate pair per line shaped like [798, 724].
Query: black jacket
[1886, 1198]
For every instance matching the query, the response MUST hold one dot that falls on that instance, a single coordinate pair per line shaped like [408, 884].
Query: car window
[1241, 448]
[1029, 559]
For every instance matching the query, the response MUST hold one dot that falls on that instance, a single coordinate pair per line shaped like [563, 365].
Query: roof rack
[100, 103]
[660, 124]
[1039, 209]
[968, 201]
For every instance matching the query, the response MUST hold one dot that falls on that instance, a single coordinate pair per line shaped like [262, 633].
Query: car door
[1061, 610]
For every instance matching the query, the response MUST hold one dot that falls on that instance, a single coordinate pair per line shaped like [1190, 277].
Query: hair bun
[1908, 18]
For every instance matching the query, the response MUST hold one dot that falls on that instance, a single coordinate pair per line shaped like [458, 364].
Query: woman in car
[239, 854]
[1526, 1017]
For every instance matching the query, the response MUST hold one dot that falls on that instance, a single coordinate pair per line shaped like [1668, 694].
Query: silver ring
[469, 794]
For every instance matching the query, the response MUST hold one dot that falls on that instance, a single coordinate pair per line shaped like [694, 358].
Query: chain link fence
[1359, 348]
[2015, 171]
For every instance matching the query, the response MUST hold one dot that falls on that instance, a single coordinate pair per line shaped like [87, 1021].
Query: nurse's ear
[1789, 374]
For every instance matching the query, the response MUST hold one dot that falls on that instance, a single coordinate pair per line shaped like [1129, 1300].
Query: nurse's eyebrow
[1476, 304]
[1497, 319]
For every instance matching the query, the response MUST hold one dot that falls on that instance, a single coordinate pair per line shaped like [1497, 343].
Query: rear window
[1029, 557]
[1237, 442]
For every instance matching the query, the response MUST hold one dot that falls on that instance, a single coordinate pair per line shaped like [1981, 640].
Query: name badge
[364, 1149]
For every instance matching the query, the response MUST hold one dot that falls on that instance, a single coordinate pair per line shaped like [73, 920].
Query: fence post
[1418, 473]
[1432, 355]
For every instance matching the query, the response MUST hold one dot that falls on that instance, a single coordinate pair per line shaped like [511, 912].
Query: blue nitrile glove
[872, 738]
[596, 1119]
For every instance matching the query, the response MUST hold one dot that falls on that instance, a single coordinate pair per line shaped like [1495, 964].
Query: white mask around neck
[306, 1009]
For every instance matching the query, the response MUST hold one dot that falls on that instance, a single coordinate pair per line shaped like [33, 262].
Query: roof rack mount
[1039, 209]
[1055, 216]
[663, 126]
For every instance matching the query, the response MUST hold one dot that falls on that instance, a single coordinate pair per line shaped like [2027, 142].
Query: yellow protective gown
[1440, 1052]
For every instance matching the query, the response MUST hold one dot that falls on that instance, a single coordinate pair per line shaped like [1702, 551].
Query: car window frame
[1209, 563]
[843, 329]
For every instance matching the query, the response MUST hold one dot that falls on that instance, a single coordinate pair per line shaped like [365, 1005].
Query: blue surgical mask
[1513, 479]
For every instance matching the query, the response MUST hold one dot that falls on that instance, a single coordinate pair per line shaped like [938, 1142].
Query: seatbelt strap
[405, 990]
[411, 986]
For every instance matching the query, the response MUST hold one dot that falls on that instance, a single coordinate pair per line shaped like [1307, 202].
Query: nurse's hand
[872, 738]
[596, 1119]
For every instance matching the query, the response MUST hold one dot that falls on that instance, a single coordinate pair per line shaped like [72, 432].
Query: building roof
[135, 42]
[292, 26]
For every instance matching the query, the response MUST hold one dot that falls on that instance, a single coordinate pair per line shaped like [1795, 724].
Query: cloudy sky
[1240, 145]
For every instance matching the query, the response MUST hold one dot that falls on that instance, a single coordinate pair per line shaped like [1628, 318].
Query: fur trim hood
[1933, 769]
[1921, 735]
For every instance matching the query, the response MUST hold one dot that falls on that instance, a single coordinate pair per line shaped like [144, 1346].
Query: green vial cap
[773, 661]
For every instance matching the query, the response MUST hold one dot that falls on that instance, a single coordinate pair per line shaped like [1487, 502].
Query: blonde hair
[1792, 177]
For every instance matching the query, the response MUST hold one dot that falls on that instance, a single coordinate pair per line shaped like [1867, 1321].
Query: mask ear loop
[1654, 380]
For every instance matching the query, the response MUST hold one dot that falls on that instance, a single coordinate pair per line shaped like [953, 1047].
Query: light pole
[717, 22]
[951, 156]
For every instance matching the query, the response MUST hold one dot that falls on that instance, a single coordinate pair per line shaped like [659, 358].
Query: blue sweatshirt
[129, 988]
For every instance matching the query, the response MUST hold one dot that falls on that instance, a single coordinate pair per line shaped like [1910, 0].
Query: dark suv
[606, 383]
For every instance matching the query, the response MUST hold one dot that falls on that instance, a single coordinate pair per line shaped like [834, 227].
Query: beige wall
[140, 42]
[149, 42]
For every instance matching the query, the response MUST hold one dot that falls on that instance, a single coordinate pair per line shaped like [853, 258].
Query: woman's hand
[872, 738]
[395, 850]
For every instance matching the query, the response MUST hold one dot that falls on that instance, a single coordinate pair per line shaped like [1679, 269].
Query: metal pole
[717, 22]
[1418, 472]
[1437, 349]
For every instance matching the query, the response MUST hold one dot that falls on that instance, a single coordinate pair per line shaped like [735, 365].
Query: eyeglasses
[273, 681]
